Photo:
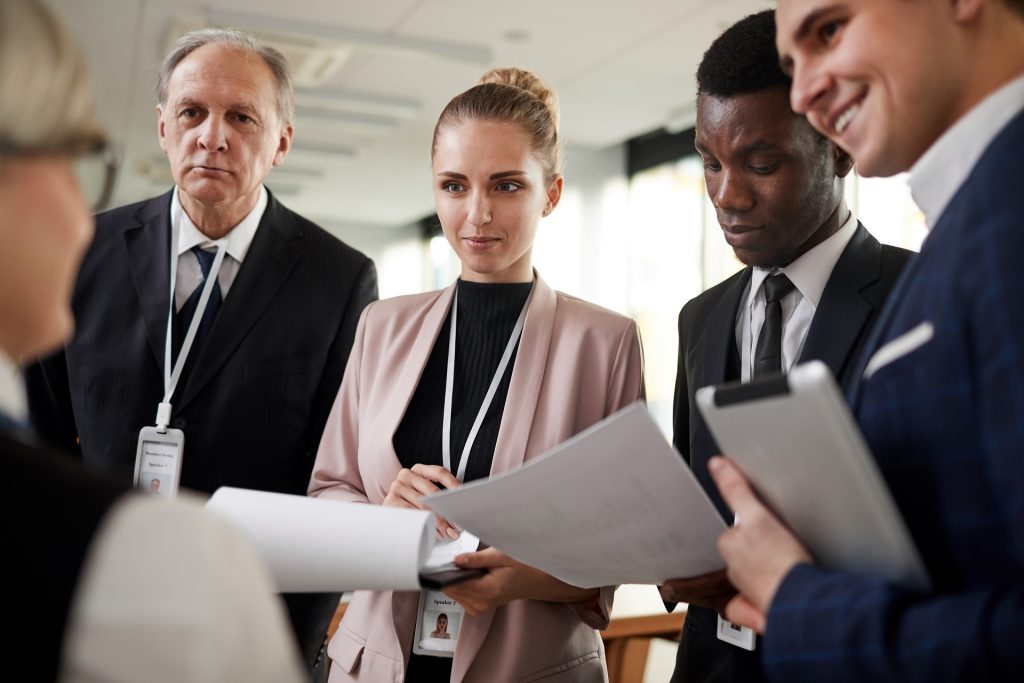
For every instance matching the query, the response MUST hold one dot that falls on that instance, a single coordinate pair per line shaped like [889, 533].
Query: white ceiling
[620, 69]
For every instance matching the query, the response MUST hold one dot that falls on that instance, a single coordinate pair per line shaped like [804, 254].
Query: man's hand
[711, 590]
[758, 550]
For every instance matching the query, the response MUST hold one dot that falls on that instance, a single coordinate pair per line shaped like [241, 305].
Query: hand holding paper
[712, 590]
[614, 504]
[507, 580]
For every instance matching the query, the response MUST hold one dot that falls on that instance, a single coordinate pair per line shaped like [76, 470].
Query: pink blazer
[577, 363]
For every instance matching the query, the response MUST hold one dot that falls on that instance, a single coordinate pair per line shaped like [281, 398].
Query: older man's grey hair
[193, 40]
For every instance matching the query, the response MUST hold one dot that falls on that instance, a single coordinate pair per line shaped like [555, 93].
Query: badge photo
[438, 622]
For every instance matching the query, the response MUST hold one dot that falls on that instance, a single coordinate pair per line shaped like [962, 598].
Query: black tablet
[446, 575]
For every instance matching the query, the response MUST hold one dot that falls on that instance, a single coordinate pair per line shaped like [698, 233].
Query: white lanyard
[171, 376]
[446, 427]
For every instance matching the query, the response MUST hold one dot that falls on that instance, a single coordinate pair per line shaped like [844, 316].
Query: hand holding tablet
[794, 439]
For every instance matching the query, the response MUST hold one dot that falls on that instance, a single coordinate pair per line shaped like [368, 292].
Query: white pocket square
[899, 347]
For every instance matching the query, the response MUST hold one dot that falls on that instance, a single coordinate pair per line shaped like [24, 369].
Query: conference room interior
[634, 232]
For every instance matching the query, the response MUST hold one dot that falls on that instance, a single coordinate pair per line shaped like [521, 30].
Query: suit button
[179, 423]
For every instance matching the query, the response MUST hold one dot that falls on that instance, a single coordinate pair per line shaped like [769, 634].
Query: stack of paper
[614, 504]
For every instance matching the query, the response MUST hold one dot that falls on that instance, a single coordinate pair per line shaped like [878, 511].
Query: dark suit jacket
[945, 422]
[855, 293]
[255, 403]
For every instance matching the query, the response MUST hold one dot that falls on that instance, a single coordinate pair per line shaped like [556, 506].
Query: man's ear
[843, 161]
[284, 144]
[160, 127]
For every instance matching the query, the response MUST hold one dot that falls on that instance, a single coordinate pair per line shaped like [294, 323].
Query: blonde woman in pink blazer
[497, 171]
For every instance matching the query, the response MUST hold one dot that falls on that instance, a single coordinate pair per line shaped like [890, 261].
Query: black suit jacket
[853, 297]
[255, 403]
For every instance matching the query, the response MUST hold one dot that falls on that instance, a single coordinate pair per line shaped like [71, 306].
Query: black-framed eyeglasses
[95, 161]
[96, 171]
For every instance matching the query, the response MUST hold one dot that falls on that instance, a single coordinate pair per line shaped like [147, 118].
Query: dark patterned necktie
[188, 311]
[768, 354]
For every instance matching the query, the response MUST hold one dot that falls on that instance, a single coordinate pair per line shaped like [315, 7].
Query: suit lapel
[148, 244]
[843, 311]
[414, 362]
[709, 356]
[276, 249]
[527, 379]
[880, 329]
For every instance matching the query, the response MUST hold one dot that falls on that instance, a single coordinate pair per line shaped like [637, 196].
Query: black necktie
[188, 311]
[768, 354]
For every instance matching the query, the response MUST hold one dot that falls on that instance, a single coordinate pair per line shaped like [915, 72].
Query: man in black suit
[777, 187]
[272, 341]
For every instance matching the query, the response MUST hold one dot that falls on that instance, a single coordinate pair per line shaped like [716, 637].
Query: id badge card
[438, 617]
[438, 622]
[158, 461]
[740, 636]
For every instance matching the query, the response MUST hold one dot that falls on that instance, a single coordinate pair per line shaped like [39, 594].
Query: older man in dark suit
[262, 357]
[814, 284]
[936, 87]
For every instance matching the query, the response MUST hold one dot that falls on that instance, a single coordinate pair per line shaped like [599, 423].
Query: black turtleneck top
[487, 314]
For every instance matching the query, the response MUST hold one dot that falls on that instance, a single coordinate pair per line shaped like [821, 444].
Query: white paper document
[445, 551]
[614, 504]
[323, 545]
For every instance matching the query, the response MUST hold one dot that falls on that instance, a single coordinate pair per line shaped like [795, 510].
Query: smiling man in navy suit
[274, 337]
[778, 190]
[935, 87]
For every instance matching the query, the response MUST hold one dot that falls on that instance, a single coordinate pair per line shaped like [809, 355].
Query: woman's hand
[507, 580]
[412, 484]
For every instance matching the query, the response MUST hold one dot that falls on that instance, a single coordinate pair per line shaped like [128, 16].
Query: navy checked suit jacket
[850, 304]
[945, 421]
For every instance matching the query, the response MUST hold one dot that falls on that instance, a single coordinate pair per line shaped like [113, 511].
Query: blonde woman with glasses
[107, 585]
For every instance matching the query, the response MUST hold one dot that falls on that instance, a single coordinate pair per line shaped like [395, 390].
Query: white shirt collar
[237, 241]
[940, 172]
[811, 270]
[12, 390]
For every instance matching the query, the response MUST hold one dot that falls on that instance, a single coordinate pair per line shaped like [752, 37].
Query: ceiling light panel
[410, 48]
[358, 103]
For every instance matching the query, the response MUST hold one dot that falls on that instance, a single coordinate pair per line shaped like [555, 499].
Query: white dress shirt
[12, 390]
[169, 593]
[237, 243]
[809, 274]
[940, 172]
